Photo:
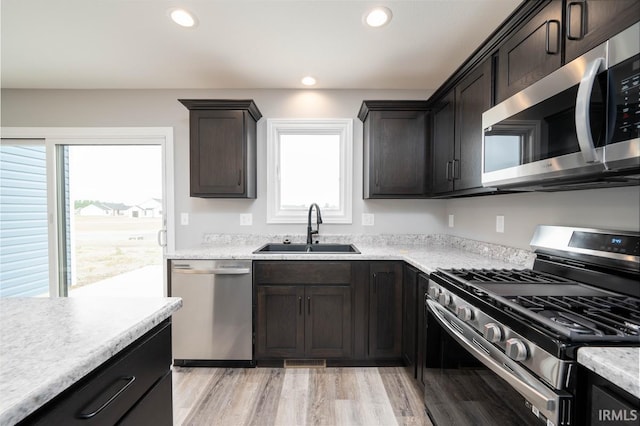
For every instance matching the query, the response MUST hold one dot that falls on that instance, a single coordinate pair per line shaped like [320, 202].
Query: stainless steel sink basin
[279, 248]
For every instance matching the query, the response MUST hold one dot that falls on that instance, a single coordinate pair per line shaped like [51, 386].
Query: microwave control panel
[626, 81]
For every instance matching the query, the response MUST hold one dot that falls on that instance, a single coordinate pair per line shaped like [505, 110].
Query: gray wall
[104, 108]
[474, 217]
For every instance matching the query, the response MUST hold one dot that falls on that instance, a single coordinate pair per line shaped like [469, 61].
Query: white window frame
[343, 127]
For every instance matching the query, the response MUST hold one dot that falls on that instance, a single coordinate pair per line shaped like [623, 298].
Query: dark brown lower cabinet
[385, 310]
[134, 387]
[303, 310]
[347, 312]
[303, 321]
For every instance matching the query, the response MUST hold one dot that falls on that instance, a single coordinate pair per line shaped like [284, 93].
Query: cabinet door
[473, 97]
[591, 22]
[530, 53]
[385, 310]
[280, 322]
[399, 154]
[443, 144]
[410, 318]
[218, 153]
[328, 322]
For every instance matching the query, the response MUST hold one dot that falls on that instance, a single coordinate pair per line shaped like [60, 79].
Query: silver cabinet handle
[583, 129]
[215, 271]
[527, 385]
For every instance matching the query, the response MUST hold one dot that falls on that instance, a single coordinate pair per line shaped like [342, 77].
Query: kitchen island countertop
[48, 344]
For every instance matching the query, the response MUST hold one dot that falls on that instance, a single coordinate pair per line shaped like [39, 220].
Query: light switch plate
[367, 219]
[246, 219]
[450, 221]
[184, 218]
[500, 223]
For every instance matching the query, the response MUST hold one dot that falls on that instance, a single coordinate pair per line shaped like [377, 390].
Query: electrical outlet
[184, 218]
[246, 219]
[367, 219]
[500, 223]
[450, 221]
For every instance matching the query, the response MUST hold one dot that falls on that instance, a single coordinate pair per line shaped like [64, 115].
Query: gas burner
[572, 322]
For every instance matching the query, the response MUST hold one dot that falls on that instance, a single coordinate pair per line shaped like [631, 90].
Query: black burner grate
[507, 276]
[614, 315]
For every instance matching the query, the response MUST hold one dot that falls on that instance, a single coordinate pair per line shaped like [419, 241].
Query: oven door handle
[527, 385]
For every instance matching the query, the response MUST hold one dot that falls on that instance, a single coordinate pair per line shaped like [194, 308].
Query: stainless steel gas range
[501, 345]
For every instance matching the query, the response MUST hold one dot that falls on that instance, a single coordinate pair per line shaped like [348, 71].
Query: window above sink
[309, 161]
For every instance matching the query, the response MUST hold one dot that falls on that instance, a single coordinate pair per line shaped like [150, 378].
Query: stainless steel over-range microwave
[577, 127]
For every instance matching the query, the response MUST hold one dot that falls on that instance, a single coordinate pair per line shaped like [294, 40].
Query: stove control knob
[492, 332]
[516, 349]
[434, 292]
[444, 299]
[464, 313]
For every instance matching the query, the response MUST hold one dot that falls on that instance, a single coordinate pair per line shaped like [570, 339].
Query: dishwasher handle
[186, 269]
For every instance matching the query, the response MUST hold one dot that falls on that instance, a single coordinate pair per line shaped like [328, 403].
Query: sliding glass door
[111, 220]
[102, 217]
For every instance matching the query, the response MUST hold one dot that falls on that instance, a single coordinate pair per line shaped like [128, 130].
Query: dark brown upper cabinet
[457, 135]
[395, 149]
[551, 38]
[589, 23]
[443, 143]
[530, 53]
[222, 147]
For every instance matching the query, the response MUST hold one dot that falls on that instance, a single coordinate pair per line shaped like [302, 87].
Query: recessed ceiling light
[183, 18]
[378, 17]
[309, 81]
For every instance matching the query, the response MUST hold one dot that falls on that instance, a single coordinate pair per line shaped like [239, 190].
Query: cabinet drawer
[156, 408]
[282, 272]
[107, 393]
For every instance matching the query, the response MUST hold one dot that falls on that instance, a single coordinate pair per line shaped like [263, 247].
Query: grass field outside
[107, 246]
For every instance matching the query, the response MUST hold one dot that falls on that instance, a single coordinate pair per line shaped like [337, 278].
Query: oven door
[469, 381]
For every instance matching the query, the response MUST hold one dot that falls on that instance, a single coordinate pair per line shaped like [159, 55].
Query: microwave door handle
[583, 128]
[542, 398]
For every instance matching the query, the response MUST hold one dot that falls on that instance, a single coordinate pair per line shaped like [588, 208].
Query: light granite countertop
[620, 366]
[47, 344]
[425, 252]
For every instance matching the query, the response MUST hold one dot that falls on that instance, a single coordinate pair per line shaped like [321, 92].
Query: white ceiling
[248, 44]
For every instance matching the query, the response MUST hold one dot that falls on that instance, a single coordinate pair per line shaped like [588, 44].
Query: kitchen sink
[278, 248]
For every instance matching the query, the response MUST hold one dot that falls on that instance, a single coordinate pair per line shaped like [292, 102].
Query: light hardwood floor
[296, 397]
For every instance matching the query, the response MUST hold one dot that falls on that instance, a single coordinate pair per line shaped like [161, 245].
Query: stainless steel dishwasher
[214, 326]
